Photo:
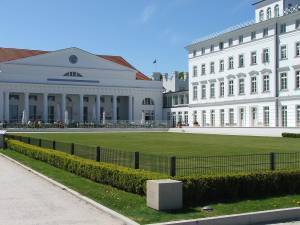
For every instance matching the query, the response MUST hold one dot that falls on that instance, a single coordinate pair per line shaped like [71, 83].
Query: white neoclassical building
[249, 75]
[49, 86]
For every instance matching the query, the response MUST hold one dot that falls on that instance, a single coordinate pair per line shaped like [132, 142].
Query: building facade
[249, 75]
[72, 85]
[175, 98]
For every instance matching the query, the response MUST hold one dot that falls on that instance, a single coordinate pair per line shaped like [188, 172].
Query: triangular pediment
[72, 58]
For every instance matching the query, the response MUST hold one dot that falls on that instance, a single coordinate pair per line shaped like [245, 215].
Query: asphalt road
[26, 199]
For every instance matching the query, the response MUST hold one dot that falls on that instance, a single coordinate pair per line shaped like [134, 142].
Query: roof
[9, 54]
[257, 2]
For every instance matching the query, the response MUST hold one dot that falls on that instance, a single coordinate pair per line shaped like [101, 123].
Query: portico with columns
[72, 83]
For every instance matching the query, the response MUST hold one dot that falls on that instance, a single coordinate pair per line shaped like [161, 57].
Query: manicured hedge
[123, 178]
[290, 135]
[199, 190]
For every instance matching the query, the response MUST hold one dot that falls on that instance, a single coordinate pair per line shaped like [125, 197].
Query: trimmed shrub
[290, 135]
[123, 178]
[200, 190]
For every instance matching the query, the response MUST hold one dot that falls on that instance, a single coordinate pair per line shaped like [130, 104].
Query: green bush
[126, 179]
[290, 135]
[199, 190]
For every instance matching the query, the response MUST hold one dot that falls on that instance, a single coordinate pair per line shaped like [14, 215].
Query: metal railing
[174, 166]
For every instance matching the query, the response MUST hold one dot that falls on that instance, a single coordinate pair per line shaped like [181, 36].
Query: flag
[155, 61]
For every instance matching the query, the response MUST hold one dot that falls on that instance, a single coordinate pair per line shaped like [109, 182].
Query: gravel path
[26, 199]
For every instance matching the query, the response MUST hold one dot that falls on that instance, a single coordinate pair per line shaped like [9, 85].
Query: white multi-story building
[249, 75]
[84, 87]
[175, 98]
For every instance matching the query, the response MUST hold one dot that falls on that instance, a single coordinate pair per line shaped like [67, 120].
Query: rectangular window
[212, 48]
[203, 69]
[297, 49]
[195, 93]
[221, 45]
[203, 91]
[231, 88]
[253, 58]
[283, 81]
[212, 90]
[202, 51]
[222, 90]
[297, 79]
[194, 53]
[266, 116]
[195, 71]
[221, 65]
[241, 86]
[241, 61]
[283, 52]
[195, 119]
[241, 39]
[298, 115]
[212, 118]
[253, 35]
[212, 67]
[230, 42]
[203, 118]
[266, 32]
[222, 117]
[266, 83]
[231, 117]
[283, 28]
[186, 118]
[297, 24]
[266, 56]
[253, 85]
[242, 117]
[284, 116]
[230, 63]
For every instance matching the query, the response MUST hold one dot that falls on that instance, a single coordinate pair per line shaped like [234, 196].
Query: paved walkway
[26, 199]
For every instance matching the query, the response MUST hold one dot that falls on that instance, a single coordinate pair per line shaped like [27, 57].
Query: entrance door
[85, 113]
[13, 113]
[51, 114]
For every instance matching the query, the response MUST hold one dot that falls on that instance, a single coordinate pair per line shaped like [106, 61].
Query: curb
[262, 217]
[100, 207]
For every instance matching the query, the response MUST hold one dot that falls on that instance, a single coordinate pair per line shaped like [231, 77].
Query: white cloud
[147, 13]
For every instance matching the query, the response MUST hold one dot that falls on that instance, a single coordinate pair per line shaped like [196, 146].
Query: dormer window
[269, 13]
[276, 10]
[72, 74]
[261, 15]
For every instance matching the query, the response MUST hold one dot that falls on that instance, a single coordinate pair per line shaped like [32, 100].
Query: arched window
[269, 13]
[276, 10]
[72, 74]
[148, 101]
[261, 15]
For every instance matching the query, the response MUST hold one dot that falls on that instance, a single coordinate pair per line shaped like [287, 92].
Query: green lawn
[179, 144]
[134, 206]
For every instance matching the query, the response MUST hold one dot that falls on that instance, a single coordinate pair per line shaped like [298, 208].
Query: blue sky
[138, 30]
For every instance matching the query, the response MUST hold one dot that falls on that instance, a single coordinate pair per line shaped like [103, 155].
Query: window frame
[231, 87]
[212, 88]
[253, 63]
[195, 71]
[283, 81]
[230, 63]
[266, 83]
[253, 85]
[283, 52]
[241, 86]
[203, 91]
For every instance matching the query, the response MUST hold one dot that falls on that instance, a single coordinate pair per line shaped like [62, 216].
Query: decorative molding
[253, 73]
[283, 69]
[203, 82]
[296, 67]
[266, 71]
[212, 80]
[231, 76]
[240, 75]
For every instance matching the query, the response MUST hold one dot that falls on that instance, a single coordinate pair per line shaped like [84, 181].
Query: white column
[129, 108]
[26, 106]
[6, 108]
[45, 108]
[115, 108]
[63, 107]
[1, 108]
[98, 105]
[81, 108]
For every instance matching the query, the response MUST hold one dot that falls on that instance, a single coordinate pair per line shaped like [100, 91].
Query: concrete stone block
[164, 194]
